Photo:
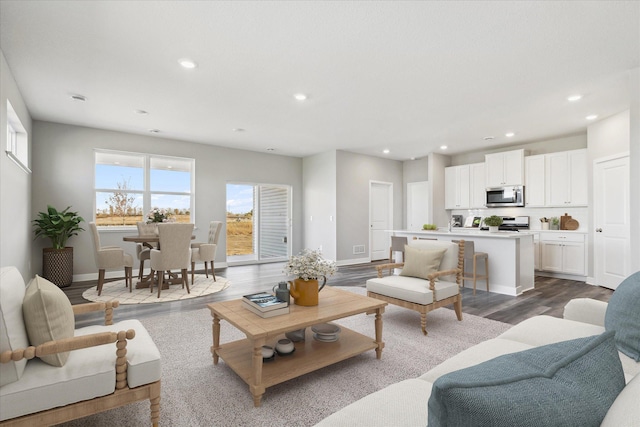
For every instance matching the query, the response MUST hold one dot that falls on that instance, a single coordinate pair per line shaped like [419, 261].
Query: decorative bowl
[326, 329]
[267, 352]
[285, 346]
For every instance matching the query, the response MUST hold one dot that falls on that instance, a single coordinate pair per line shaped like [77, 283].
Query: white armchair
[109, 258]
[206, 252]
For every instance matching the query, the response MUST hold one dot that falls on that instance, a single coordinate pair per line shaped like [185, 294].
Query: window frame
[146, 192]
[17, 148]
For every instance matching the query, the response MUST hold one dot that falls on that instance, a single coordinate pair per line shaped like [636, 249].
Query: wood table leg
[216, 338]
[378, 323]
[256, 387]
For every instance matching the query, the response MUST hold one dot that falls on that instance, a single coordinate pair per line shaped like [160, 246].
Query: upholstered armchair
[206, 252]
[174, 253]
[51, 372]
[429, 279]
[109, 258]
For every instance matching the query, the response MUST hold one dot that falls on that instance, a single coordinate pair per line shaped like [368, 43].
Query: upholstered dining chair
[206, 252]
[174, 253]
[109, 258]
[143, 252]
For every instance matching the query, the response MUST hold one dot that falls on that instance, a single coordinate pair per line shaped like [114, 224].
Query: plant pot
[494, 228]
[57, 266]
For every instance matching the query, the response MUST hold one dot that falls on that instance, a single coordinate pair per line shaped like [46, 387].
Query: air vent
[358, 249]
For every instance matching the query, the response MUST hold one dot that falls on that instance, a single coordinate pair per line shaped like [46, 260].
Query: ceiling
[403, 76]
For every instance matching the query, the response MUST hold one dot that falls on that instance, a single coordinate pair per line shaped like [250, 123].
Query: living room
[330, 175]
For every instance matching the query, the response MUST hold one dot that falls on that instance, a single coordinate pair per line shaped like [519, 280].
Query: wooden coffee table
[245, 356]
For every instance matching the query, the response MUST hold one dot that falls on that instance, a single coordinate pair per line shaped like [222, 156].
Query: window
[129, 185]
[17, 140]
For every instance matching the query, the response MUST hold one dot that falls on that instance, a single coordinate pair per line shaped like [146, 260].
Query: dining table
[147, 240]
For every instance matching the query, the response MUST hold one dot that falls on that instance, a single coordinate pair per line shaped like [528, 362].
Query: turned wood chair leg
[457, 306]
[423, 322]
[100, 280]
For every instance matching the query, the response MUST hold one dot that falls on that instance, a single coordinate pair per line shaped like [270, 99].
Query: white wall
[412, 171]
[319, 183]
[16, 234]
[63, 175]
[354, 172]
[634, 149]
[437, 163]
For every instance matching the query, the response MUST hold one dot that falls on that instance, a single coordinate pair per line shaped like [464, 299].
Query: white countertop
[460, 231]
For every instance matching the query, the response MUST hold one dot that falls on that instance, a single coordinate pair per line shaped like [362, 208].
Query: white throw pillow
[13, 334]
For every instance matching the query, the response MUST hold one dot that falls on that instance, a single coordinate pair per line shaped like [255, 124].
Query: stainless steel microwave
[498, 197]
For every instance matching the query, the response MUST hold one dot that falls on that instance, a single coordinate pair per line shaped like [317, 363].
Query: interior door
[612, 246]
[380, 214]
[418, 204]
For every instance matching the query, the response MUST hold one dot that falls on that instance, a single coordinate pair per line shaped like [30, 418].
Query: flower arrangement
[159, 215]
[309, 264]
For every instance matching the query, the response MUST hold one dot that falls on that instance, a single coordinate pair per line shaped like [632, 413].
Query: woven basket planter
[57, 265]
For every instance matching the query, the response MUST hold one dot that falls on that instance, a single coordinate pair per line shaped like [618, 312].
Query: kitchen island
[511, 259]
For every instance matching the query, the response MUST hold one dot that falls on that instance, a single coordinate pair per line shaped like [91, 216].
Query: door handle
[598, 230]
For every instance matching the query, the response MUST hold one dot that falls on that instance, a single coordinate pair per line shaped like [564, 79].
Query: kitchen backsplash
[579, 214]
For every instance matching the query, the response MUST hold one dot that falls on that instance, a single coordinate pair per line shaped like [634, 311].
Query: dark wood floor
[549, 296]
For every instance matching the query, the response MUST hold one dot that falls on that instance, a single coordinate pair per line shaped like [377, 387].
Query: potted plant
[493, 222]
[59, 226]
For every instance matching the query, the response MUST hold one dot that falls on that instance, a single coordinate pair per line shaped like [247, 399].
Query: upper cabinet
[506, 168]
[456, 187]
[534, 181]
[566, 178]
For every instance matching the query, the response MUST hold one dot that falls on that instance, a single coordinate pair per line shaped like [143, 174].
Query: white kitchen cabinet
[534, 181]
[506, 168]
[566, 178]
[456, 187]
[477, 186]
[563, 253]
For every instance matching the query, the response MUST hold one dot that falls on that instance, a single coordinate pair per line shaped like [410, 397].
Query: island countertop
[511, 256]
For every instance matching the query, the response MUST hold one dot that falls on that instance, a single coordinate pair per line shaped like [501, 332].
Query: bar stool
[470, 255]
[397, 245]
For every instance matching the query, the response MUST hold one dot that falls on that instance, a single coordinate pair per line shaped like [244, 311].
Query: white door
[417, 205]
[612, 255]
[380, 214]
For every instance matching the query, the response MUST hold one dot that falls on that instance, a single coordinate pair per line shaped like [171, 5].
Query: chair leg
[475, 261]
[185, 279]
[151, 280]
[160, 280]
[423, 322]
[206, 272]
[457, 306]
[486, 271]
[141, 269]
[193, 267]
[128, 274]
[213, 271]
[100, 281]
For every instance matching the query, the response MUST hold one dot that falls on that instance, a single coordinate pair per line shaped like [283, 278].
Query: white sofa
[101, 367]
[405, 403]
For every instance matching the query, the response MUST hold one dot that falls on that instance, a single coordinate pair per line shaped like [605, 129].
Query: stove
[511, 223]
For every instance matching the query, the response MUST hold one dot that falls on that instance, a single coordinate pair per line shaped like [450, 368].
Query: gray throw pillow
[623, 316]
[569, 384]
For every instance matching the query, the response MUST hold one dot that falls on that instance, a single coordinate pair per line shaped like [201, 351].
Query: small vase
[305, 292]
[494, 228]
[545, 225]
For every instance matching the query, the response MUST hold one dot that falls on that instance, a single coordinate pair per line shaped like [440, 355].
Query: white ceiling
[407, 76]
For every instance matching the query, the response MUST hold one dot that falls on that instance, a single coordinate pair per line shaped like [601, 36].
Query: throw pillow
[13, 335]
[623, 316]
[48, 316]
[421, 262]
[570, 383]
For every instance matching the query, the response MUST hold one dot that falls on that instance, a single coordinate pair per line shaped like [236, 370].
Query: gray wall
[437, 163]
[15, 184]
[354, 173]
[319, 183]
[63, 164]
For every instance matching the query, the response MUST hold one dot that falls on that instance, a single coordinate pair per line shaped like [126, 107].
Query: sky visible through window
[239, 198]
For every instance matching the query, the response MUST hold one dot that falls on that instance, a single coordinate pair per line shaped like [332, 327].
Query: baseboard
[119, 274]
[561, 276]
[353, 261]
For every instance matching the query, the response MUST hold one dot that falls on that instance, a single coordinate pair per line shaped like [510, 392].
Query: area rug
[116, 290]
[195, 392]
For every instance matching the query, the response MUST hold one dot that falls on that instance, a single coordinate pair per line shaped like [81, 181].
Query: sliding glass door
[258, 223]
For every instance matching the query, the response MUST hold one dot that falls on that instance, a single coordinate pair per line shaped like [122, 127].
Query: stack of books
[265, 305]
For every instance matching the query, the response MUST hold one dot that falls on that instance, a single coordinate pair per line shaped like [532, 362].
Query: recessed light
[443, 147]
[154, 130]
[488, 138]
[142, 112]
[187, 63]
[80, 98]
[300, 96]
[385, 151]
[509, 134]
[574, 98]
[591, 117]
[238, 129]
[412, 158]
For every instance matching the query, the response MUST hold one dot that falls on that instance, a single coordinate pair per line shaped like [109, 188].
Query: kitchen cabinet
[477, 186]
[562, 253]
[506, 168]
[534, 182]
[566, 178]
[536, 251]
[456, 187]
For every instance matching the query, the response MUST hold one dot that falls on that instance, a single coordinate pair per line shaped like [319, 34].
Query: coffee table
[244, 356]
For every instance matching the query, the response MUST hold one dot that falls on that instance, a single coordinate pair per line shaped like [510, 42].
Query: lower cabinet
[563, 253]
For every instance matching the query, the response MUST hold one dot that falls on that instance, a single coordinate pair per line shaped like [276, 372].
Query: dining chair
[206, 252]
[174, 253]
[109, 258]
[144, 252]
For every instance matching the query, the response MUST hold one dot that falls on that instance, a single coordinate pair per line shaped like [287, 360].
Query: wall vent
[358, 249]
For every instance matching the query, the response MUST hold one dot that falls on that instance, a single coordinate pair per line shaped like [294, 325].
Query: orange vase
[305, 292]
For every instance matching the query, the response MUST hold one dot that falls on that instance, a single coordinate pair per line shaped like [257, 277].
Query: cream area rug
[195, 392]
[117, 291]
